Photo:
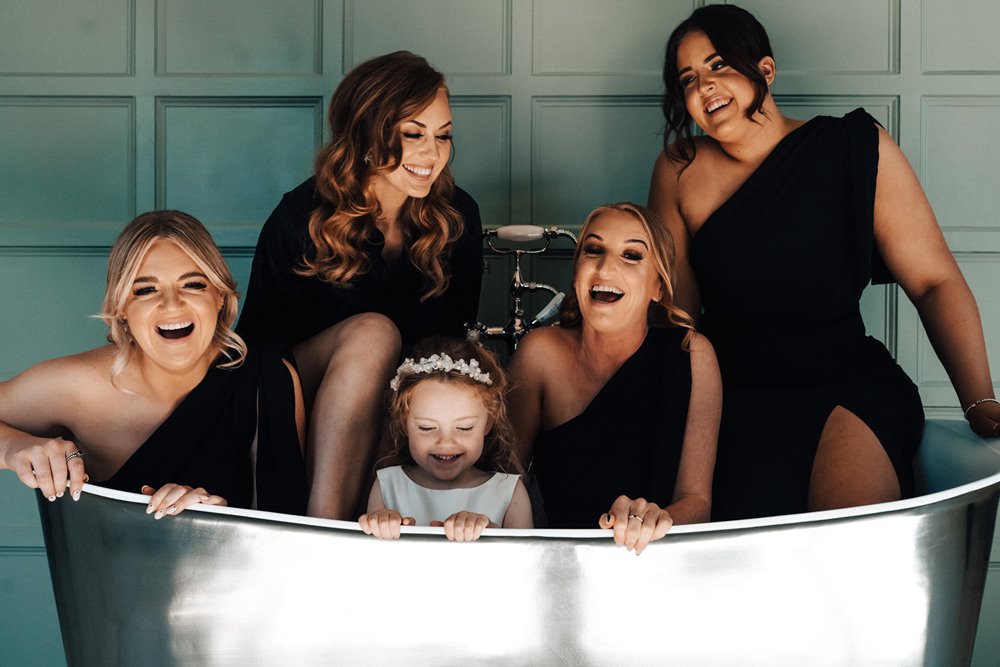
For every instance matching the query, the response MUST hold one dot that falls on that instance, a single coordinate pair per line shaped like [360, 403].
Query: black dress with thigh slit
[781, 266]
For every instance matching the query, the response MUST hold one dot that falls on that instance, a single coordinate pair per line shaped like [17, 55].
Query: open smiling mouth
[173, 331]
[716, 105]
[442, 458]
[422, 172]
[605, 293]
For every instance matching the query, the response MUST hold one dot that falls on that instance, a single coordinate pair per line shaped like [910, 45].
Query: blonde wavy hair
[498, 445]
[130, 250]
[365, 115]
[662, 313]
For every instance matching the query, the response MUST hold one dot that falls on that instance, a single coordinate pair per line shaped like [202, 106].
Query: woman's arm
[519, 511]
[31, 442]
[692, 502]
[910, 240]
[524, 399]
[664, 200]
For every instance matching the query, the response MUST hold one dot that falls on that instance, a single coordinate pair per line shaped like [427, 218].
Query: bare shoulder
[542, 343]
[49, 393]
[83, 369]
[702, 354]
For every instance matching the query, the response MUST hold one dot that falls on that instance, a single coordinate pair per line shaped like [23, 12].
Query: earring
[368, 159]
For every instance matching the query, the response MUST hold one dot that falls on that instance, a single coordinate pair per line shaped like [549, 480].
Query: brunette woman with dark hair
[377, 249]
[779, 225]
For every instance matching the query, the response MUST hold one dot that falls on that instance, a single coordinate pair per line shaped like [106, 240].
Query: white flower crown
[442, 363]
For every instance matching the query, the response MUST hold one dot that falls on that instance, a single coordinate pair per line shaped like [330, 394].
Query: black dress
[281, 306]
[627, 441]
[781, 266]
[207, 440]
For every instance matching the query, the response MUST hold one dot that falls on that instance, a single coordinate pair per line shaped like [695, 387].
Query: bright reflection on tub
[287, 592]
[843, 593]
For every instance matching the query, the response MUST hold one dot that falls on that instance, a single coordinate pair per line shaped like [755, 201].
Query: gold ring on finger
[637, 518]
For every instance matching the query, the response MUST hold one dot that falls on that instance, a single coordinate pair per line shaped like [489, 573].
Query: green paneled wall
[112, 107]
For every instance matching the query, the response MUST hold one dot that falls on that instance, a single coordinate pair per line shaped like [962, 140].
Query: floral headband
[440, 363]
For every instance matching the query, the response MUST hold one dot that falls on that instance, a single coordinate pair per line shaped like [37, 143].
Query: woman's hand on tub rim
[47, 464]
[636, 523]
[173, 499]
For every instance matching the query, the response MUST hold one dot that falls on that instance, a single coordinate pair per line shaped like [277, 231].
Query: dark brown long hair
[365, 114]
[740, 40]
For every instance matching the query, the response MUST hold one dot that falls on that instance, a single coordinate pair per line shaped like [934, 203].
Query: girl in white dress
[450, 461]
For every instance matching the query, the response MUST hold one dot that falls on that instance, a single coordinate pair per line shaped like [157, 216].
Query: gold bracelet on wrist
[977, 404]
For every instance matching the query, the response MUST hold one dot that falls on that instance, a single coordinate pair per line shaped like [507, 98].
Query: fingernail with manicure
[52, 499]
[158, 515]
[149, 508]
[171, 509]
[76, 495]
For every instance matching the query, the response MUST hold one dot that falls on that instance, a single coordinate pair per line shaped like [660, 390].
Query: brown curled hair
[498, 445]
[364, 116]
[662, 313]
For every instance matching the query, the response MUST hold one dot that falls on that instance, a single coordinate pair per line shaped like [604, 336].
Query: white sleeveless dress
[402, 494]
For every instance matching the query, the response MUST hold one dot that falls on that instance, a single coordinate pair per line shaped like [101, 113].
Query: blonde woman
[176, 406]
[618, 407]
[377, 249]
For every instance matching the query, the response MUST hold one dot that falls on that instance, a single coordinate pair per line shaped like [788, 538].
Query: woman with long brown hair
[377, 249]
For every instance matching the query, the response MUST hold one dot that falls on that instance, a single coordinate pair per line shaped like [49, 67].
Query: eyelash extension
[195, 285]
[143, 291]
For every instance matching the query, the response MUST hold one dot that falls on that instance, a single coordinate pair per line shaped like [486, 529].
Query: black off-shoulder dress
[627, 441]
[781, 266]
[207, 441]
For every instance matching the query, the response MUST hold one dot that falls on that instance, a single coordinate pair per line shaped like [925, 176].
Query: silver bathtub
[892, 584]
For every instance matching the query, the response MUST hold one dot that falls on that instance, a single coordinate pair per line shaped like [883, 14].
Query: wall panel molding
[961, 130]
[67, 169]
[457, 37]
[861, 36]
[47, 38]
[482, 146]
[239, 37]
[959, 38]
[576, 38]
[580, 158]
[209, 148]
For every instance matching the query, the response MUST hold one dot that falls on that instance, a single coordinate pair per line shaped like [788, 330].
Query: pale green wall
[112, 107]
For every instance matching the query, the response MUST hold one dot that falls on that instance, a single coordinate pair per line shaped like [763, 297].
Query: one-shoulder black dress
[627, 441]
[781, 266]
[207, 441]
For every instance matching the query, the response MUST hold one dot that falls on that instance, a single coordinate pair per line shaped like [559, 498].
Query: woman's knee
[374, 332]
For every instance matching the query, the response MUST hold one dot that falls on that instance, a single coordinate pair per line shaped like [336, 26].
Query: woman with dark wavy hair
[379, 248]
[780, 224]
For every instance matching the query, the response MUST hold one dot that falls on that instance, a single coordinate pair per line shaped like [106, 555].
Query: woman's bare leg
[345, 371]
[851, 468]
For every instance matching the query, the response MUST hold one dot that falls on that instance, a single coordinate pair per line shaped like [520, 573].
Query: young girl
[451, 459]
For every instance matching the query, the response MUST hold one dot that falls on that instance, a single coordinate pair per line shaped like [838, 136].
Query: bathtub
[893, 584]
